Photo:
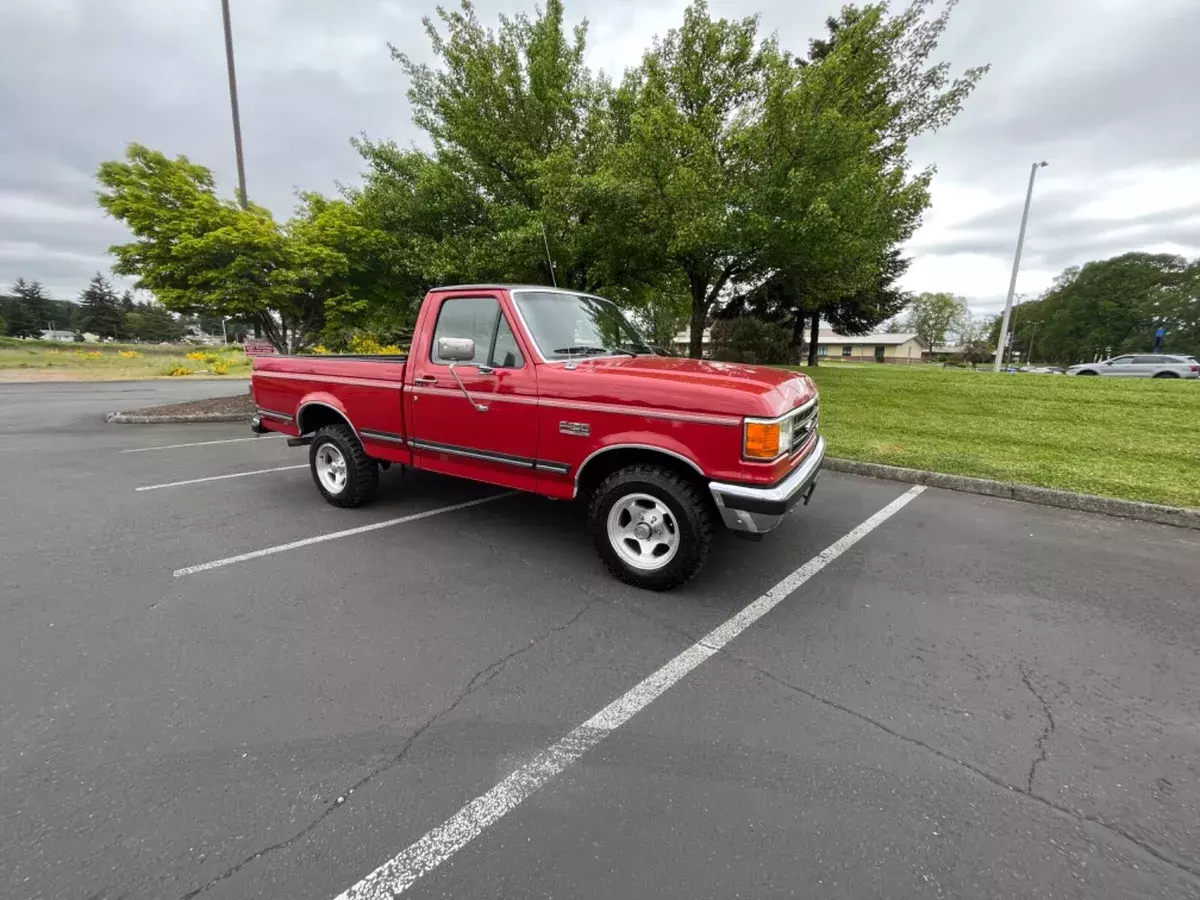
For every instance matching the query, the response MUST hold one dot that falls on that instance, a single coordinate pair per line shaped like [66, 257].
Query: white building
[56, 335]
[902, 347]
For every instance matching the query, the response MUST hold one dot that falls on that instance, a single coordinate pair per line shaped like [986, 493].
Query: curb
[119, 418]
[1179, 516]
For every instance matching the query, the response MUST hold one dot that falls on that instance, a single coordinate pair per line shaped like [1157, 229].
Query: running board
[299, 441]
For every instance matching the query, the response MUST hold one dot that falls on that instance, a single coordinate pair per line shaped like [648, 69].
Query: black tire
[1166, 375]
[362, 472]
[1087, 372]
[692, 515]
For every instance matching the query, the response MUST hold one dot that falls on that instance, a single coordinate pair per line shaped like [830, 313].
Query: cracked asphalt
[979, 699]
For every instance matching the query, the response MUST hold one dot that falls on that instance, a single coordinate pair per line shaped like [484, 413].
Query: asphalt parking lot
[968, 697]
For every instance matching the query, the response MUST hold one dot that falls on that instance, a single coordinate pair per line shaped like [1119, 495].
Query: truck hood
[681, 385]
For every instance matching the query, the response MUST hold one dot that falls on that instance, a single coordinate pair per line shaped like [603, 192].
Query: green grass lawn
[22, 360]
[1137, 439]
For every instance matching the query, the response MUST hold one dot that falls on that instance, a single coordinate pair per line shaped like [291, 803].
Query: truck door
[492, 436]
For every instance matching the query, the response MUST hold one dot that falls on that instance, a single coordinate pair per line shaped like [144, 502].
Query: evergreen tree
[127, 306]
[35, 303]
[16, 313]
[101, 313]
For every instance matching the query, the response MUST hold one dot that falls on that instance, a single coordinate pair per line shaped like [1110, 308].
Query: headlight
[767, 439]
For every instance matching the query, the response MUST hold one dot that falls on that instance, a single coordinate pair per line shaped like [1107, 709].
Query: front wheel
[343, 472]
[652, 527]
[1166, 375]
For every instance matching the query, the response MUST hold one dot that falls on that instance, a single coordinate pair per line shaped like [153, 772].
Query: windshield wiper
[588, 351]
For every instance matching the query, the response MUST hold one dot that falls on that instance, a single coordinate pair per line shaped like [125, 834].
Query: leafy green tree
[198, 253]
[101, 311]
[152, 322]
[661, 312]
[513, 118]
[1113, 306]
[681, 181]
[844, 195]
[933, 315]
[3, 326]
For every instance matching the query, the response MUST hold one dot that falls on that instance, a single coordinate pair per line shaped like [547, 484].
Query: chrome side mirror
[456, 349]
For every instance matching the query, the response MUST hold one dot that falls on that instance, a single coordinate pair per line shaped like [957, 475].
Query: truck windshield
[569, 326]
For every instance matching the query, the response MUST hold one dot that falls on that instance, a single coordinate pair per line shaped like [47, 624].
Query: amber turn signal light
[762, 440]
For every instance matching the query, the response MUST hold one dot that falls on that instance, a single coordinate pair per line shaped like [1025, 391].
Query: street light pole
[233, 103]
[1012, 284]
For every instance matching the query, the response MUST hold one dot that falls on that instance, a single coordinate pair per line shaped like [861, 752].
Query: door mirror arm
[479, 407]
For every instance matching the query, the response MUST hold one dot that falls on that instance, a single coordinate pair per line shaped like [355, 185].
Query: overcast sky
[1105, 90]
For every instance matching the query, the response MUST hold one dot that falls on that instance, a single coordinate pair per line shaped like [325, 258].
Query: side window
[1153, 360]
[505, 353]
[1122, 361]
[466, 317]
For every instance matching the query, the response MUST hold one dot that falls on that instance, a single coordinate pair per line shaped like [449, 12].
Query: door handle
[425, 379]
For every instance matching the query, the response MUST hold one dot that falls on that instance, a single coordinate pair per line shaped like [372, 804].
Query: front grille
[804, 424]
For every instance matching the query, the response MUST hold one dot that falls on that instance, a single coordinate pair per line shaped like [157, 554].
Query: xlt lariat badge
[580, 429]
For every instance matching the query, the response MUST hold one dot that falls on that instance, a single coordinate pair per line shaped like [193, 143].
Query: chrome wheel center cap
[642, 531]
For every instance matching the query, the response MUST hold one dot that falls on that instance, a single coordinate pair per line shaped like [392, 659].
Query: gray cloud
[1095, 87]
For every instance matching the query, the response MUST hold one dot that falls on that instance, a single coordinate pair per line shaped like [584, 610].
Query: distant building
[55, 335]
[903, 347]
[683, 342]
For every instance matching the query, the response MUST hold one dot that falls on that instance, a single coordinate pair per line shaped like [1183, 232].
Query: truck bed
[294, 394]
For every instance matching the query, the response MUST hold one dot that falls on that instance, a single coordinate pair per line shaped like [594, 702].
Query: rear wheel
[1088, 372]
[652, 527]
[341, 469]
[1166, 375]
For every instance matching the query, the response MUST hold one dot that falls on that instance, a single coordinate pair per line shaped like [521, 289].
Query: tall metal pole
[233, 103]
[1012, 284]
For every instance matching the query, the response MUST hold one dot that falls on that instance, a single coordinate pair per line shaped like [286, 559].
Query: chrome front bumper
[759, 509]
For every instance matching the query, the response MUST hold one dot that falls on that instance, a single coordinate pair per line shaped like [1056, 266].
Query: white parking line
[333, 536]
[260, 437]
[155, 487]
[402, 871]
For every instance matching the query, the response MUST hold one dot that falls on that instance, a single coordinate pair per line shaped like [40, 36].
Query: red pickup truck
[554, 392]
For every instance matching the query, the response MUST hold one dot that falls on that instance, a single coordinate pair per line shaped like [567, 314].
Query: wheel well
[317, 415]
[606, 462]
[1166, 375]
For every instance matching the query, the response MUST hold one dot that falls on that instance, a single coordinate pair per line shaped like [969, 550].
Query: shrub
[366, 345]
[177, 370]
[750, 340]
[197, 356]
[219, 368]
[129, 354]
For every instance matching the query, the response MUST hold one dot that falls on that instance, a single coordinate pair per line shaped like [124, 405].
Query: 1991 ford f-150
[553, 392]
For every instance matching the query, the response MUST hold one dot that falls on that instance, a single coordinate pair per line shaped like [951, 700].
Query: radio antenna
[549, 260]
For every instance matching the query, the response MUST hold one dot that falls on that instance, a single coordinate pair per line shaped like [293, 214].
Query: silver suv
[1149, 365]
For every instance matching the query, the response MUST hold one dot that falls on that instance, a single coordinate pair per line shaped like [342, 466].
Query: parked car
[1142, 365]
[553, 392]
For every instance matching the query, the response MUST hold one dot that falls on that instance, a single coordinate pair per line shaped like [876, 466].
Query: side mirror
[456, 349]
